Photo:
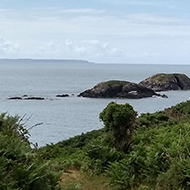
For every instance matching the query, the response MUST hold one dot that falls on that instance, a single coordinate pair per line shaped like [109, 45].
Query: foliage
[67, 147]
[80, 141]
[180, 112]
[89, 152]
[154, 120]
[118, 120]
[101, 155]
[126, 174]
[163, 77]
[114, 82]
[158, 157]
[19, 166]
[168, 117]
[12, 127]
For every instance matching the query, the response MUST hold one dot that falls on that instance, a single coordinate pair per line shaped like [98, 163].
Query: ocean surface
[62, 118]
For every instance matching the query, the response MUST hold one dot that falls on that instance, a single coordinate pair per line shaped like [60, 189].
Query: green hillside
[148, 152]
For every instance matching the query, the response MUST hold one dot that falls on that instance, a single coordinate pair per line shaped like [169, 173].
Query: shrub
[11, 126]
[159, 159]
[118, 121]
[128, 173]
[20, 167]
[101, 155]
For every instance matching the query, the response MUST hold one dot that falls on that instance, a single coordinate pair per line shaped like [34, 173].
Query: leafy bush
[154, 120]
[180, 112]
[118, 121]
[20, 167]
[80, 141]
[127, 173]
[159, 157]
[101, 155]
[12, 127]
[169, 116]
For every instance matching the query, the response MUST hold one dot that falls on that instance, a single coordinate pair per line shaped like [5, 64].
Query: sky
[101, 31]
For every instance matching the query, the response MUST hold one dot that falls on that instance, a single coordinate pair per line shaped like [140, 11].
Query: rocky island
[166, 82]
[118, 89]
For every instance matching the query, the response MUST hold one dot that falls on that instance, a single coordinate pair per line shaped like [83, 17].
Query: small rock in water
[34, 98]
[15, 98]
[62, 95]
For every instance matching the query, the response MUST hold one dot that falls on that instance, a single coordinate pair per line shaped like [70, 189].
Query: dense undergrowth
[20, 167]
[150, 152]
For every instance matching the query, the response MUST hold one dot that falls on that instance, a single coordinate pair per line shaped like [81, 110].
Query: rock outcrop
[25, 97]
[34, 98]
[118, 89]
[15, 98]
[166, 82]
[62, 95]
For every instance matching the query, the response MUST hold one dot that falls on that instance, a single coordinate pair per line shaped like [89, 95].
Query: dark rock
[118, 89]
[15, 98]
[34, 98]
[62, 95]
[166, 82]
[25, 97]
[164, 96]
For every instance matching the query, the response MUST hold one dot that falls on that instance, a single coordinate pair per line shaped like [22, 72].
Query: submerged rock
[118, 89]
[166, 82]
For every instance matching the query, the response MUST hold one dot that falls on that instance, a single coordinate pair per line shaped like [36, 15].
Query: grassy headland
[148, 152]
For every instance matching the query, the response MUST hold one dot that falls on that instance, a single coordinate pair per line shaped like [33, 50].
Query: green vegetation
[149, 152]
[163, 77]
[20, 167]
[114, 82]
[118, 121]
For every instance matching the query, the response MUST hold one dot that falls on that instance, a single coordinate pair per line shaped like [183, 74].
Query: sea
[58, 118]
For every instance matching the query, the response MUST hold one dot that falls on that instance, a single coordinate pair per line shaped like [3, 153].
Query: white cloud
[7, 47]
[93, 47]
[48, 46]
[104, 48]
[80, 50]
[116, 52]
[74, 48]
[69, 44]
[119, 36]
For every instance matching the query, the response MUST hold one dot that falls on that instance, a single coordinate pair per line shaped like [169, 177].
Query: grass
[115, 82]
[163, 77]
[83, 181]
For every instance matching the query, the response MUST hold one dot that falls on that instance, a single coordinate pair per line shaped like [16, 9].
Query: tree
[118, 120]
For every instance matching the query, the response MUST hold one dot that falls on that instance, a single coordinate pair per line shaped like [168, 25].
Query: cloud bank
[98, 35]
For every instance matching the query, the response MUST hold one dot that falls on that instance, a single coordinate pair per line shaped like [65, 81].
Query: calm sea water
[62, 118]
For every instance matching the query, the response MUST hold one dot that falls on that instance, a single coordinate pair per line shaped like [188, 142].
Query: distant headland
[73, 61]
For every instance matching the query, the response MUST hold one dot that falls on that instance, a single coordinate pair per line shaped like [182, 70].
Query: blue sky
[102, 31]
